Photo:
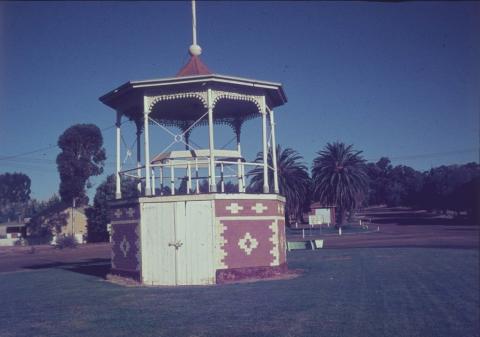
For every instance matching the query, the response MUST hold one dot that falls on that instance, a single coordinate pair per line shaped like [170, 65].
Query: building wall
[76, 226]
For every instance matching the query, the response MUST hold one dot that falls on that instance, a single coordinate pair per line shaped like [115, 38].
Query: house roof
[320, 205]
[12, 224]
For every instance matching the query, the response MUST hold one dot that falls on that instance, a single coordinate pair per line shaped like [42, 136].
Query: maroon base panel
[238, 274]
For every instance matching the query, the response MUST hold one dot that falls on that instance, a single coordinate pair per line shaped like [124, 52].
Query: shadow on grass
[93, 267]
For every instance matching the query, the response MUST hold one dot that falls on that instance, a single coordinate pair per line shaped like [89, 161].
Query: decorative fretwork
[152, 100]
[218, 95]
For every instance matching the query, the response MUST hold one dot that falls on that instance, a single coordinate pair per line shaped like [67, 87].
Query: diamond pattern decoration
[248, 243]
[259, 208]
[124, 246]
[130, 212]
[234, 208]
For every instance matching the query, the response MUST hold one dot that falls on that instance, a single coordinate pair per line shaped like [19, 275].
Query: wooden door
[194, 229]
[177, 243]
[158, 257]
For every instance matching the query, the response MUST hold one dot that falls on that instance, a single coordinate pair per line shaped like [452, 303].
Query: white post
[222, 182]
[197, 183]
[153, 181]
[274, 154]
[239, 167]
[118, 186]
[172, 179]
[161, 179]
[146, 142]
[213, 180]
[139, 159]
[189, 181]
[244, 182]
[266, 188]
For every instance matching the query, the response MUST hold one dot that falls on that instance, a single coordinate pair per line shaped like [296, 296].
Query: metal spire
[195, 49]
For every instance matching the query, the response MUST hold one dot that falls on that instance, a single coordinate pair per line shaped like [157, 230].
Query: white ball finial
[195, 50]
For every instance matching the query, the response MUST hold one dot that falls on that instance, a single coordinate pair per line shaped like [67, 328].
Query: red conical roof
[194, 67]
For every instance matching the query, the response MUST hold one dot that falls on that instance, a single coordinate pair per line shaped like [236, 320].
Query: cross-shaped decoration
[259, 208]
[130, 212]
[124, 246]
[234, 208]
[118, 213]
[248, 243]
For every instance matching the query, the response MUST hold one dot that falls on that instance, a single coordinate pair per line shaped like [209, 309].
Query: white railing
[167, 174]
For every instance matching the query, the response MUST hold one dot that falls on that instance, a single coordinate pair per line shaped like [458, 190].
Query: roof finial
[195, 49]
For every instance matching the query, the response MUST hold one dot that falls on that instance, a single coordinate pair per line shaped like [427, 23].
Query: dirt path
[22, 258]
[399, 228]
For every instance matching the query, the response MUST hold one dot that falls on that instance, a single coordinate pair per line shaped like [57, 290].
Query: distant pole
[73, 216]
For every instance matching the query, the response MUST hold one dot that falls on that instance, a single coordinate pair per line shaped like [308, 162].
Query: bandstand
[179, 232]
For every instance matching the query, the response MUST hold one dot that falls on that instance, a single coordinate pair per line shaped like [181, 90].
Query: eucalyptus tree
[14, 193]
[339, 178]
[293, 179]
[82, 156]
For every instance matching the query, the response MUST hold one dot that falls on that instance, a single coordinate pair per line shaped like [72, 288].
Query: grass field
[342, 292]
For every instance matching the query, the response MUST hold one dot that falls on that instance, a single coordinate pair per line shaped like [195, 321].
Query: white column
[274, 153]
[148, 190]
[118, 186]
[139, 158]
[213, 180]
[266, 188]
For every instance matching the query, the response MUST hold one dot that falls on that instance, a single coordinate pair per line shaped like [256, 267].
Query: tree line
[339, 176]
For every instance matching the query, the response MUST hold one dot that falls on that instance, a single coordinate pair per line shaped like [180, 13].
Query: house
[61, 220]
[11, 232]
[320, 214]
[76, 224]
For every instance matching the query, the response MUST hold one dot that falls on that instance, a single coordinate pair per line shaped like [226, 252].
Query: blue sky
[395, 79]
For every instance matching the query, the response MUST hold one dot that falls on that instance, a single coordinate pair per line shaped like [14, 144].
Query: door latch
[176, 244]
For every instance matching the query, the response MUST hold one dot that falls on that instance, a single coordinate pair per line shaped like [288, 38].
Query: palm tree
[339, 177]
[293, 179]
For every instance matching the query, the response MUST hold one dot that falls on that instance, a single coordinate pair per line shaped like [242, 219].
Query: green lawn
[343, 292]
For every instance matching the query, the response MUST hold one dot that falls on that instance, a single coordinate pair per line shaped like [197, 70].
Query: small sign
[296, 245]
[318, 244]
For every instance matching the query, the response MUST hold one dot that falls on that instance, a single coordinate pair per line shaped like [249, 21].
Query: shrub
[67, 241]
